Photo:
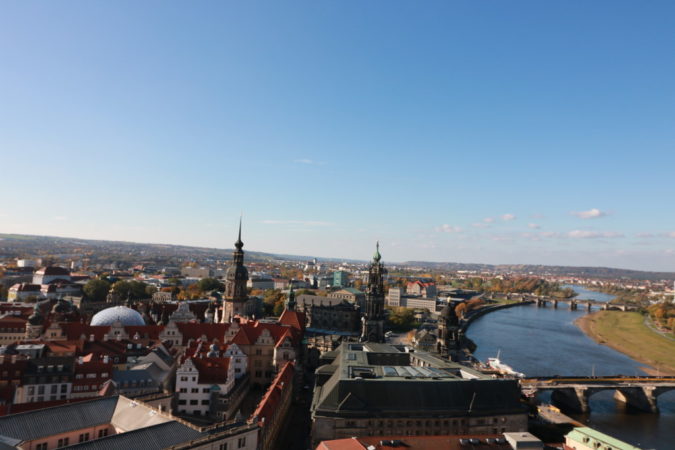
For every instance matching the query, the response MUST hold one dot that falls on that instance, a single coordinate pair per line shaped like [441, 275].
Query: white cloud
[507, 217]
[585, 234]
[489, 219]
[594, 213]
[534, 226]
[315, 223]
[670, 234]
[549, 234]
[445, 228]
[537, 216]
[645, 235]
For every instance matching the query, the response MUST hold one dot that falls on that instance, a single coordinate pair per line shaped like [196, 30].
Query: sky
[521, 132]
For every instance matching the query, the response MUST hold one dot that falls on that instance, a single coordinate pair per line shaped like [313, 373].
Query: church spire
[290, 303]
[373, 316]
[235, 282]
[239, 244]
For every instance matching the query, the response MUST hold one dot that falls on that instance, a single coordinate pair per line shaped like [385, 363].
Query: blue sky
[494, 132]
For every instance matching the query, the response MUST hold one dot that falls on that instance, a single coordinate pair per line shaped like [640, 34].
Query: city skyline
[452, 132]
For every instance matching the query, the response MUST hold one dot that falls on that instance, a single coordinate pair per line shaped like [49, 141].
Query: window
[31, 390]
[64, 388]
[241, 442]
[41, 446]
[62, 443]
[205, 390]
[194, 402]
[205, 402]
[183, 378]
[102, 433]
[79, 376]
[195, 390]
[84, 437]
[183, 390]
[53, 389]
[181, 402]
[222, 446]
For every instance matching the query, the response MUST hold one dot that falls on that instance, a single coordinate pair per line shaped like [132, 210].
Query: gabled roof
[74, 330]
[212, 370]
[195, 331]
[269, 403]
[293, 319]
[50, 421]
[154, 437]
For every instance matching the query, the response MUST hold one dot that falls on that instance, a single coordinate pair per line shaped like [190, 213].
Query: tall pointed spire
[239, 244]
[377, 257]
[235, 282]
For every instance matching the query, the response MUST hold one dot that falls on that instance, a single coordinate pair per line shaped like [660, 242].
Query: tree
[209, 284]
[460, 309]
[150, 289]
[96, 290]
[133, 289]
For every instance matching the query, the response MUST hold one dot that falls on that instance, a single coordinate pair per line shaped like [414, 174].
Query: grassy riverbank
[627, 333]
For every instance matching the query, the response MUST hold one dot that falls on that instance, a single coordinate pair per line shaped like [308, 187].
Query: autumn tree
[96, 290]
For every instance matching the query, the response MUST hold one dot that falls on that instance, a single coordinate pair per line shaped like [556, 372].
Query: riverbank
[627, 333]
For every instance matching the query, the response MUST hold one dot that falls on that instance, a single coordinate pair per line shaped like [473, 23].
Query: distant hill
[527, 269]
[20, 245]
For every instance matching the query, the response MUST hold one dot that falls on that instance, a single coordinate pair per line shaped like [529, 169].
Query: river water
[545, 342]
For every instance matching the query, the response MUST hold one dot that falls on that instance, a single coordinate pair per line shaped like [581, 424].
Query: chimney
[91, 338]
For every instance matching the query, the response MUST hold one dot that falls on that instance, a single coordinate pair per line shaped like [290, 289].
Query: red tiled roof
[195, 331]
[294, 319]
[212, 370]
[270, 401]
[75, 330]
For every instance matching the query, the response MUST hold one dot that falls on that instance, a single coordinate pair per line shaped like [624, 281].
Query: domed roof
[109, 316]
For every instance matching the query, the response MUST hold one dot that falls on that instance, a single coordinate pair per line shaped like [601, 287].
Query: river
[545, 341]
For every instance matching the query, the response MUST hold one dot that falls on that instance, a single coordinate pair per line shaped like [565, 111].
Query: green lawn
[627, 333]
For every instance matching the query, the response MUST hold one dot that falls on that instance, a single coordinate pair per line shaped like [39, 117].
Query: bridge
[574, 304]
[573, 393]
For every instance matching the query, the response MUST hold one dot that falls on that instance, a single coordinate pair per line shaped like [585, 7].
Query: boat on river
[503, 368]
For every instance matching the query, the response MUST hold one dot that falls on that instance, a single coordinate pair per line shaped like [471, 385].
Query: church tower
[235, 283]
[448, 331]
[373, 317]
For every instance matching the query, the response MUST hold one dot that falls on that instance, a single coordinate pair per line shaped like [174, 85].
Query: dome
[109, 316]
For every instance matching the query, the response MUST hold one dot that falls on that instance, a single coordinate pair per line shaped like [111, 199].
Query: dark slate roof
[150, 438]
[49, 421]
[419, 397]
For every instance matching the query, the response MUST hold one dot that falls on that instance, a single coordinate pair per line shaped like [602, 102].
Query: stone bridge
[573, 393]
[588, 304]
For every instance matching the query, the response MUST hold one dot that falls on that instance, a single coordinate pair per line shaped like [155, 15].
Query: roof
[364, 380]
[109, 316]
[49, 421]
[53, 270]
[446, 442]
[293, 319]
[154, 437]
[270, 401]
[577, 434]
[212, 370]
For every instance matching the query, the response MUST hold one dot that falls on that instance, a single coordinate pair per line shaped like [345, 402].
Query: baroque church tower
[373, 317]
[235, 283]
